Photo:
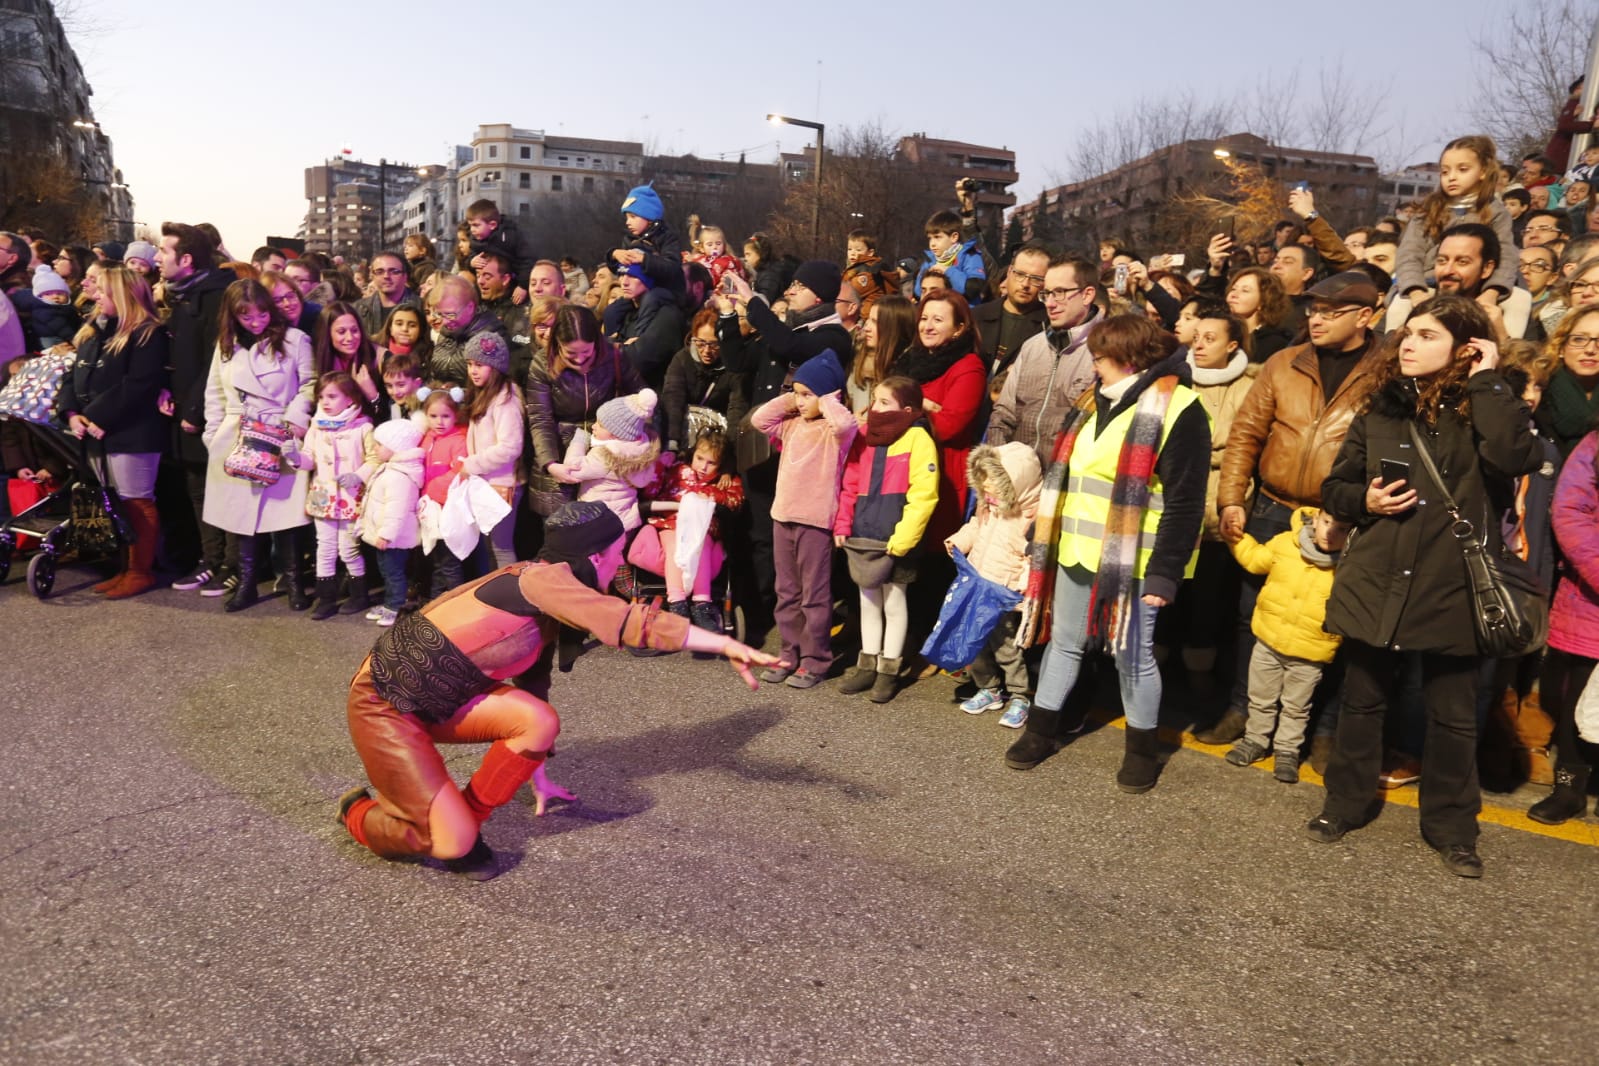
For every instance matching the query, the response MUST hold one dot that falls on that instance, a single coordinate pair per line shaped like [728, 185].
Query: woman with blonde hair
[111, 396]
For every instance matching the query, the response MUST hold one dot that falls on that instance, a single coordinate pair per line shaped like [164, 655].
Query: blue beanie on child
[821, 374]
[644, 202]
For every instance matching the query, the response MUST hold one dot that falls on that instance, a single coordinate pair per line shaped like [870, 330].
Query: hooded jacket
[1223, 393]
[995, 540]
[335, 446]
[1293, 603]
[613, 471]
[391, 501]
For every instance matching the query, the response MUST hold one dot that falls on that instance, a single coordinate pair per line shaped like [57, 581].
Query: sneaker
[803, 678]
[1245, 752]
[1327, 829]
[219, 585]
[1015, 715]
[1406, 771]
[1461, 860]
[985, 698]
[199, 579]
[1285, 768]
[706, 615]
[775, 675]
[384, 617]
[375, 613]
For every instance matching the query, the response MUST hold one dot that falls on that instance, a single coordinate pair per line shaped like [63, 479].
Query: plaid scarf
[1111, 606]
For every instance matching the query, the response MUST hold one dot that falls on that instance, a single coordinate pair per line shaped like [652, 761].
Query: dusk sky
[216, 108]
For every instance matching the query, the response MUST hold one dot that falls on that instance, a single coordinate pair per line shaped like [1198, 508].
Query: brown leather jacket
[1286, 435]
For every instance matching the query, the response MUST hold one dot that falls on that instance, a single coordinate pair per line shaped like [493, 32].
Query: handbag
[257, 455]
[1509, 608]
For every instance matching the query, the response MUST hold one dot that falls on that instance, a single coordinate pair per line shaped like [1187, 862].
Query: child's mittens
[350, 482]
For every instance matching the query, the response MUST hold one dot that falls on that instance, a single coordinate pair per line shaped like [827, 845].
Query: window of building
[588, 184]
[619, 185]
[524, 181]
[524, 208]
[494, 151]
[527, 153]
[563, 160]
[555, 183]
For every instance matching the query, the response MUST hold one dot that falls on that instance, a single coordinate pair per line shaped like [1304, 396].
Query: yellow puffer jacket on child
[1293, 604]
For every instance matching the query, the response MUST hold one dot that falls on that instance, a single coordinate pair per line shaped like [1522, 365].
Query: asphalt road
[771, 877]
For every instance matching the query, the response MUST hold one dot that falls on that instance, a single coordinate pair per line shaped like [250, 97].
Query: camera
[968, 185]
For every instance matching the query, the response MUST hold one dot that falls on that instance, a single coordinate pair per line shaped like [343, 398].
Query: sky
[284, 87]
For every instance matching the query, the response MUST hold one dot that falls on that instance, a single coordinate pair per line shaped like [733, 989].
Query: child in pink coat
[443, 452]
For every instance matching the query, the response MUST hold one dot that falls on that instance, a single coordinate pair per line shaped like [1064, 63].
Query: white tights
[337, 539]
[884, 619]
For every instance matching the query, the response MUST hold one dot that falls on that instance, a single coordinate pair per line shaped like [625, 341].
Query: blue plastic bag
[972, 608]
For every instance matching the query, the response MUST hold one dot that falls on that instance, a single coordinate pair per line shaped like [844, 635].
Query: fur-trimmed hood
[625, 458]
[1011, 473]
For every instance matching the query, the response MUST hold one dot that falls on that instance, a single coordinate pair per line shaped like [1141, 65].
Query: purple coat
[1574, 614]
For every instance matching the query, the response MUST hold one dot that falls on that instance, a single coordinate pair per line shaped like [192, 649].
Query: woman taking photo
[1401, 583]
[262, 373]
[1256, 296]
[1112, 551]
[697, 377]
[566, 385]
[111, 396]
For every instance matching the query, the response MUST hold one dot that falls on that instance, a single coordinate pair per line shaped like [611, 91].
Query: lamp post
[816, 207]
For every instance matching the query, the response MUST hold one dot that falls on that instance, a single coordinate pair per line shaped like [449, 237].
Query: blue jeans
[391, 564]
[1135, 664]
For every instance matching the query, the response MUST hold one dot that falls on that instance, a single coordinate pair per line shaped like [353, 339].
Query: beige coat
[277, 389]
[1222, 399]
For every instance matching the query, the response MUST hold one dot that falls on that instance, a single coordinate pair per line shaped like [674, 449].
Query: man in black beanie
[442, 675]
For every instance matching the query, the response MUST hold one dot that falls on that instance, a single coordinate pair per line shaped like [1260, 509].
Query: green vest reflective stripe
[1091, 477]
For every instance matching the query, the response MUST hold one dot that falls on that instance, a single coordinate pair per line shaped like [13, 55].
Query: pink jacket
[811, 470]
[494, 442]
[613, 471]
[441, 458]
[391, 499]
[1574, 613]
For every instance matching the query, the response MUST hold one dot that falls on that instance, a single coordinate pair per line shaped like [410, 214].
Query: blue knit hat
[644, 202]
[821, 374]
[636, 270]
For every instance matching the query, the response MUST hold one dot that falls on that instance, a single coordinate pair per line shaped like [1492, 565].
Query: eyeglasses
[1581, 340]
[449, 316]
[387, 271]
[707, 346]
[1031, 279]
[1063, 294]
[1542, 227]
[1536, 268]
[1331, 314]
[1584, 286]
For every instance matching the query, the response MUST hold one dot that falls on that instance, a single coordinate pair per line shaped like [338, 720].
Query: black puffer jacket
[691, 382]
[193, 325]
[1401, 582]
[558, 405]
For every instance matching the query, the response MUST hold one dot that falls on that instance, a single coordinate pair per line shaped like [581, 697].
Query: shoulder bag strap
[1462, 530]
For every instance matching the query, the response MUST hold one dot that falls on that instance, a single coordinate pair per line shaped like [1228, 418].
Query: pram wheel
[6, 550]
[42, 574]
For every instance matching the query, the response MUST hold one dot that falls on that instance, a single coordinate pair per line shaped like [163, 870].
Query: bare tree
[1530, 59]
[1343, 115]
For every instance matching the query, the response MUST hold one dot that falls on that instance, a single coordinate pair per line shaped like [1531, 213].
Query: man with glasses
[1283, 443]
[1004, 325]
[391, 281]
[1466, 265]
[1053, 367]
[460, 318]
[1546, 229]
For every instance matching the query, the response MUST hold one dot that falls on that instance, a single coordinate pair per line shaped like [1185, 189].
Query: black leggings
[1560, 686]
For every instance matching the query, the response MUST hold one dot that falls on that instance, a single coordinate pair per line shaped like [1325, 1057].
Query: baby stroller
[78, 521]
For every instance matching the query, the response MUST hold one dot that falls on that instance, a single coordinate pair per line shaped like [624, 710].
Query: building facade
[517, 168]
[433, 208]
[346, 201]
[57, 173]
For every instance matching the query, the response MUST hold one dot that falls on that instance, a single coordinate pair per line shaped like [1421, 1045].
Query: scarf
[1225, 375]
[820, 315]
[346, 418]
[924, 366]
[1312, 554]
[1570, 414]
[1111, 614]
[885, 427]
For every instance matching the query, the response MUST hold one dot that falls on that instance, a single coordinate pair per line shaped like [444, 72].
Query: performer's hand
[743, 657]
[545, 790]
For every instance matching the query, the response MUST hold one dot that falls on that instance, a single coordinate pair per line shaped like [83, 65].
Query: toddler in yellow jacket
[1291, 647]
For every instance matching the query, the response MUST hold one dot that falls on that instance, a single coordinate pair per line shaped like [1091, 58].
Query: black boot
[244, 596]
[1569, 799]
[1038, 741]
[357, 603]
[327, 598]
[293, 570]
[862, 677]
[1140, 766]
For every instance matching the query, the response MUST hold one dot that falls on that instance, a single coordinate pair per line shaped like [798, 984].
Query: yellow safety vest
[1091, 475]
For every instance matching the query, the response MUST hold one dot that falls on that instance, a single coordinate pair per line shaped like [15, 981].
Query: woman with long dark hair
[340, 343]
[1401, 583]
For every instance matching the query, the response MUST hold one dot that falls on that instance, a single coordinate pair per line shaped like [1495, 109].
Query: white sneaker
[1015, 715]
[375, 613]
[384, 617]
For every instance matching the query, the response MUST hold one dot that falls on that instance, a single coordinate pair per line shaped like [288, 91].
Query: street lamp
[1222, 154]
[816, 208]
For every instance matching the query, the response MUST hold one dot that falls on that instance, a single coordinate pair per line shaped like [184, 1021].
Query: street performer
[440, 676]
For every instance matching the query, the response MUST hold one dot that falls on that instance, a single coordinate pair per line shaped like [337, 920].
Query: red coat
[959, 392]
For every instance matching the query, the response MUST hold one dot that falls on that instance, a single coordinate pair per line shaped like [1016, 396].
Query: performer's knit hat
[578, 531]
[627, 417]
